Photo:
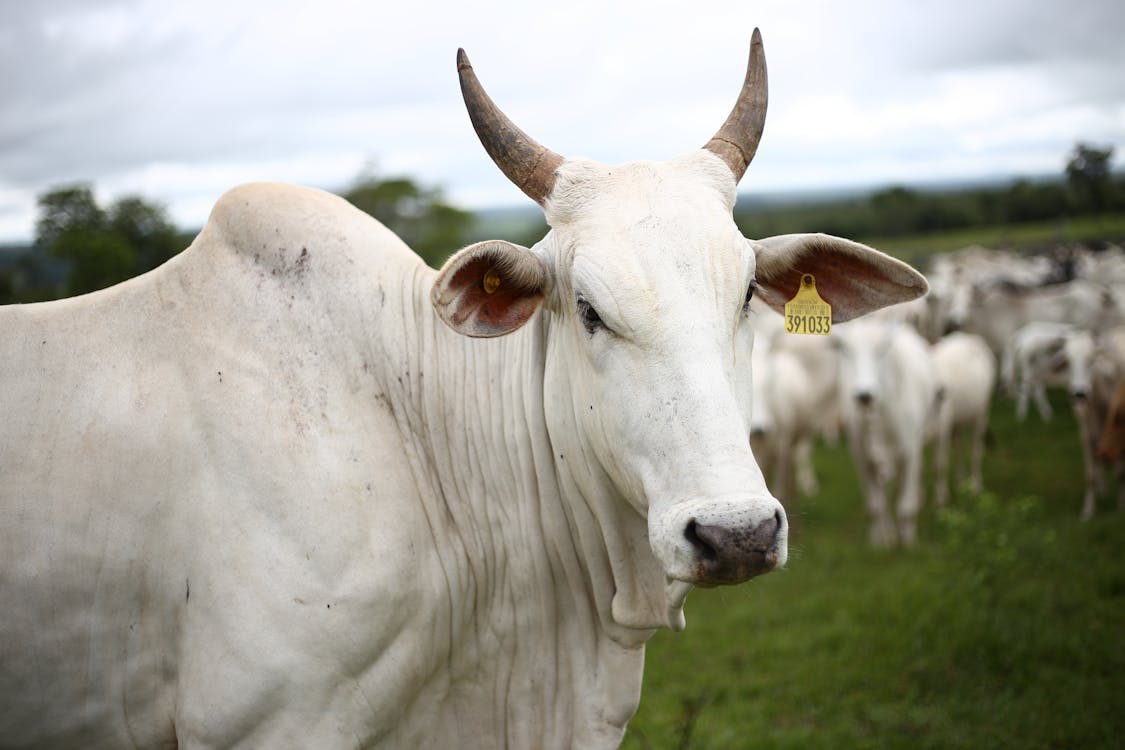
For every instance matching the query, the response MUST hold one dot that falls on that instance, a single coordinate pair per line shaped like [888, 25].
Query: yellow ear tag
[807, 313]
[491, 281]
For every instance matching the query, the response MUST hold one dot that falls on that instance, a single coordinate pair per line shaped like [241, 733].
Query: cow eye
[591, 321]
[749, 296]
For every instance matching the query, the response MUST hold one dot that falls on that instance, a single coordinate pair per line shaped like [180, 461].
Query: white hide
[957, 279]
[917, 313]
[1106, 266]
[965, 371]
[996, 312]
[887, 394]
[263, 495]
[794, 403]
[1034, 360]
[1096, 365]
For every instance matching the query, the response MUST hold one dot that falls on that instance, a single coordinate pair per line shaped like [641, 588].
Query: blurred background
[131, 117]
[980, 141]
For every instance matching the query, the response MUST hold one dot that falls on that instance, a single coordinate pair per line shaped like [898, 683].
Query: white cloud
[179, 101]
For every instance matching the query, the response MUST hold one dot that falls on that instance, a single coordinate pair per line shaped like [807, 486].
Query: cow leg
[882, 532]
[1022, 397]
[870, 463]
[782, 483]
[1121, 485]
[807, 483]
[1093, 469]
[1089, 502]
[1041, 403]
[941, 466]
[910, 496]
[783, 470]
[976, 454]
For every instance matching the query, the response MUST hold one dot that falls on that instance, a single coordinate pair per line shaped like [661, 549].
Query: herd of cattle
[922, 372]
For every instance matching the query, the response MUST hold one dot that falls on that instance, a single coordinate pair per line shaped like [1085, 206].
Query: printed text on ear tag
[807, 312]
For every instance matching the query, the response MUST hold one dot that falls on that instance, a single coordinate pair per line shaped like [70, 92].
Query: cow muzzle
[714, 543]
[728, 555]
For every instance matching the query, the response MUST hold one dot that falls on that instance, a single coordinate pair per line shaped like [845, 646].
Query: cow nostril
[705, 549]
[1079, 395]
[765, 535]
[864, 398]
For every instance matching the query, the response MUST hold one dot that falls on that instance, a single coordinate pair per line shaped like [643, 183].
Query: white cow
[1106, 266]
[794, 397]
[1034, 359]
[958, 280]
[997, 311]
[1096, 366]
[965, 370]
[887, 395]
[279, 492]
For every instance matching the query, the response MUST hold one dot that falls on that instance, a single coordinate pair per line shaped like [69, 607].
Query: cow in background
[1096, 367]
[1111, 445]
[795, 397]
[998, 311]
[1034, 359]
[994, 292]
[965, 371]
[887, 394]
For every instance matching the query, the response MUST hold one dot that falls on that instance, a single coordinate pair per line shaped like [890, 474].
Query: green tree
[101, 247]
[419, 215]
[1089, 176]
[68, 209]
[98, 259]
[896, 210]
[146, 228]
[1025, 200]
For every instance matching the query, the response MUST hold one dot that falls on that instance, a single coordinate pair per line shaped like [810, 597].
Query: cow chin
[708, 543]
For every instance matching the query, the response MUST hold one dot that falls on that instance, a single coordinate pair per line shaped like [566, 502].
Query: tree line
[1087, 186]
[81, 246]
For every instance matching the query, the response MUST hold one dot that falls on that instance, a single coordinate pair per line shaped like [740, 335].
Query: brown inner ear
[780, 287]
[508, 305]
[851, 285]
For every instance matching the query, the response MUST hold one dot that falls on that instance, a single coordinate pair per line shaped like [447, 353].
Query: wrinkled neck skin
[532, 553]
[630, 590]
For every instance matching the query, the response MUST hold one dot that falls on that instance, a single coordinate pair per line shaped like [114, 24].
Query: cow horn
[737, 139]
[530, 166]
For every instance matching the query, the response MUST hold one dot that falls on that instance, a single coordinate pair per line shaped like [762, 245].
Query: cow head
[1078, 351]
[645, 283]
[863, 347]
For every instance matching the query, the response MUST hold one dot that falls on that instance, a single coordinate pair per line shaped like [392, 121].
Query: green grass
[1003, 628]
[916, 248]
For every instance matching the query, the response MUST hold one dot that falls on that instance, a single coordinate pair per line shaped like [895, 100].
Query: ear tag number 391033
[807, 313]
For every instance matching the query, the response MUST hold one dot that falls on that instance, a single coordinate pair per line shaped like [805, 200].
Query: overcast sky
[179, 101]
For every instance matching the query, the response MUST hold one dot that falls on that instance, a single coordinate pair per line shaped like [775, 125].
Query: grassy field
[1003, 628]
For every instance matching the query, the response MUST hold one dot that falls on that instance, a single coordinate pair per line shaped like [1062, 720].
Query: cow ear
[489, 289]
[852, 278]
